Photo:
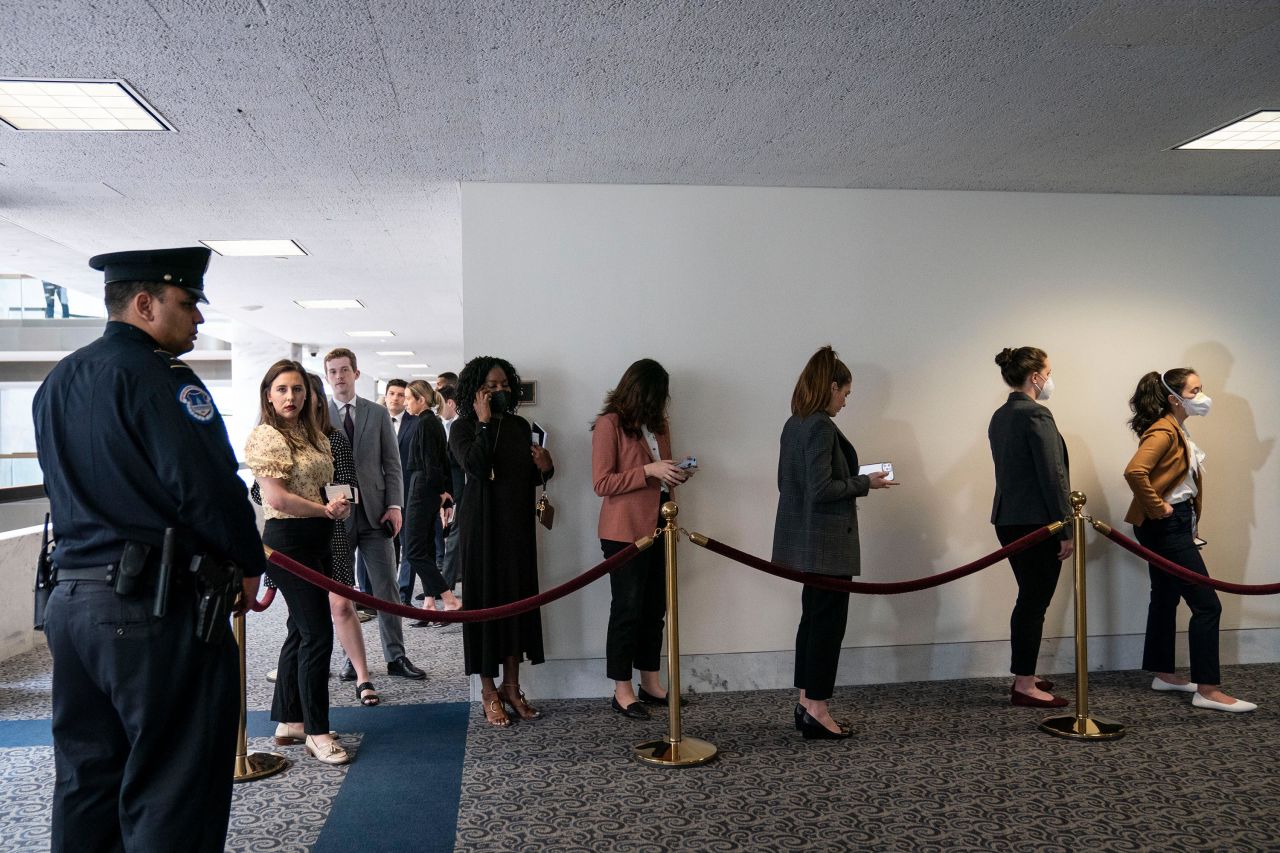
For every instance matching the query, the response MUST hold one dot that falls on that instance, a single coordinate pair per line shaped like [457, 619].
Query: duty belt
[100, 574]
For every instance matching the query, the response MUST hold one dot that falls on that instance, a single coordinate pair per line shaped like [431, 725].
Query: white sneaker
[1160, 684]
[1238, 707]
[271, 676]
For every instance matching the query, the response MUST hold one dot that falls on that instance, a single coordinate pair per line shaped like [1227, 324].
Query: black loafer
[402, 667]
[634, 711]
[348, 672]
[649, 699]
[814, 730]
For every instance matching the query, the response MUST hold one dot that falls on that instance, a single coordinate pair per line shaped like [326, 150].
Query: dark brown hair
[308, 430]
[1017, 364]
[323, 421]
[640, 400]
[813, 389]
[1150, 400]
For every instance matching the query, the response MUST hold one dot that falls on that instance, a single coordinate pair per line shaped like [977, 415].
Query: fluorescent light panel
[255, 248]
[373, 334]
[411, 366]
[397, 352]
[329, 304]
[80, 105]
[1257, 132]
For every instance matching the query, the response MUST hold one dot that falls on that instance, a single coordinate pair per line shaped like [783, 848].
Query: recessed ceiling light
[255, 248]
[396, 352]
[332, 304]
[411, 366]
[1257, 132]
[84, 105]
[373, 334]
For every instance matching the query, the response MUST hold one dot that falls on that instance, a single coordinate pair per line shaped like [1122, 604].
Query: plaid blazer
[816, 528]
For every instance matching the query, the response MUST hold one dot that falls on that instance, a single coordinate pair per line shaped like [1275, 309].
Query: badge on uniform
[197, 403]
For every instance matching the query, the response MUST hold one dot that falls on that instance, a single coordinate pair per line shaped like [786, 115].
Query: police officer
[129, 439]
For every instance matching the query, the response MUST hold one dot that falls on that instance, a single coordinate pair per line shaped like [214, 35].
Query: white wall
[733, 288]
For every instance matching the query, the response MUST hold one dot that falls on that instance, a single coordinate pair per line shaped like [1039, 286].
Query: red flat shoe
[1025, 701]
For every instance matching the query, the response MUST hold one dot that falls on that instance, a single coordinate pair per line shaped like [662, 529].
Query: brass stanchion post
[1080, 725]
[675, 750]
[251, 765]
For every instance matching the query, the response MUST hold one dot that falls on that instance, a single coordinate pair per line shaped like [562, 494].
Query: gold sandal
[494, 715]
[513, 696]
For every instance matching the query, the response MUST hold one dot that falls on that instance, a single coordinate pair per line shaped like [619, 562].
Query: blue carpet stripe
[402, 791]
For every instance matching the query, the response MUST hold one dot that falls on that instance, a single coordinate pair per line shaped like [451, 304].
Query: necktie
[349, 426]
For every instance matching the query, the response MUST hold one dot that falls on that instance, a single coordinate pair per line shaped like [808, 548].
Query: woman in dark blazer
[1031, 491]
[816, 529]
[1166, 476]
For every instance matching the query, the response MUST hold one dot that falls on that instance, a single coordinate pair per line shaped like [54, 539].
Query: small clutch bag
[543, 509]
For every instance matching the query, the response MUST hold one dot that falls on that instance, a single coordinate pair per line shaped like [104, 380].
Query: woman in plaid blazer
[816, 529]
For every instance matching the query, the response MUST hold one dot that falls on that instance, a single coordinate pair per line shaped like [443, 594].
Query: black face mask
[498, 402]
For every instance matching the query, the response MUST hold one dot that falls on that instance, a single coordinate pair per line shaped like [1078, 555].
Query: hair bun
[1004, 357]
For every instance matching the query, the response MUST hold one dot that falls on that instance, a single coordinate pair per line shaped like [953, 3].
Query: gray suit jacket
[818, 481]
[1032, 471]
[378, 471]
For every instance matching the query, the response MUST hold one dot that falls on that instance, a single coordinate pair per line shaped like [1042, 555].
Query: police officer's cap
[182, 268]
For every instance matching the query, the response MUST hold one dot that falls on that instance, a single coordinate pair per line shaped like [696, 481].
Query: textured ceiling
[347, 125]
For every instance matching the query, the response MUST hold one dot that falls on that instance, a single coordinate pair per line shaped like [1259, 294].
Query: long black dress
[497, 544]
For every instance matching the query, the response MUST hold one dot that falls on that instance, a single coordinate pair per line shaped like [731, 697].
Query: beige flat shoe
[330, 753]
[287, 735]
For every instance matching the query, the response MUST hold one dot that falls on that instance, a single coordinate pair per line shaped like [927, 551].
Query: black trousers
[1037, 570]
[823, 615]
[1172, 538]
[144, 723]
[420, 546]
[302, 675]
[637, 612]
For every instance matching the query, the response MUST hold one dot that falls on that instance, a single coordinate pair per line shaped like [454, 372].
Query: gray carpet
[933, 766]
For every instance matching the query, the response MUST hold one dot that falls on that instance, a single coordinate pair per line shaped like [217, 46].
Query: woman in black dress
[497, 546]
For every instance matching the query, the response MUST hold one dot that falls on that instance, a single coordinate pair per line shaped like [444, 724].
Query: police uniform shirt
[130, 443]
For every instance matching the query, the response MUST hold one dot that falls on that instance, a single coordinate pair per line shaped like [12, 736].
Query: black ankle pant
[1037, 569]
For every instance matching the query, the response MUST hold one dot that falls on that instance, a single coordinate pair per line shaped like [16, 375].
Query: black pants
[144, 723]
[302, 675]
[823, 614]
[420, 544]
[637, 612]
[1037, 570]
[1171, 538]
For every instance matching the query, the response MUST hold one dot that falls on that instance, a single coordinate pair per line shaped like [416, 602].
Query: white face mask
[1046, 390]
[1197, 405]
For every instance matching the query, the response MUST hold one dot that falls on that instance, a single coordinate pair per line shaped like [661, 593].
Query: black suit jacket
[1032, 471]
[404, 439]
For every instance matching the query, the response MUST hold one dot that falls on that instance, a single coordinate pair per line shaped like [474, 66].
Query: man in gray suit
[378, 516]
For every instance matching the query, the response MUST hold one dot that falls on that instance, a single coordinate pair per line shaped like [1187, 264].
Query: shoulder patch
[197, 403]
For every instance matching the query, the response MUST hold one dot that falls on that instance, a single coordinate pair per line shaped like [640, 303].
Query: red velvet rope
[863, 588]
[481, 615]
[263, 603]
[1182, 572]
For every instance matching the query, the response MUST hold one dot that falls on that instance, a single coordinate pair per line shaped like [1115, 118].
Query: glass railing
[19, 469]
[25, 298]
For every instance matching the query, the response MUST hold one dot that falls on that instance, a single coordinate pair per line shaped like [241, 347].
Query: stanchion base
[1088, 728]
[688, 752]
[259, 765]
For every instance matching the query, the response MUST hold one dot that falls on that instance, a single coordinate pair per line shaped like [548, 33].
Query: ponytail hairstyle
[813, 388]
[1016, 365]
[1150, 400]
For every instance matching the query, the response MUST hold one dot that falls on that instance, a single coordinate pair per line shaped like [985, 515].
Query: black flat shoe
[649, 699]
[814, 730]
[799, 717]
[634, 711]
